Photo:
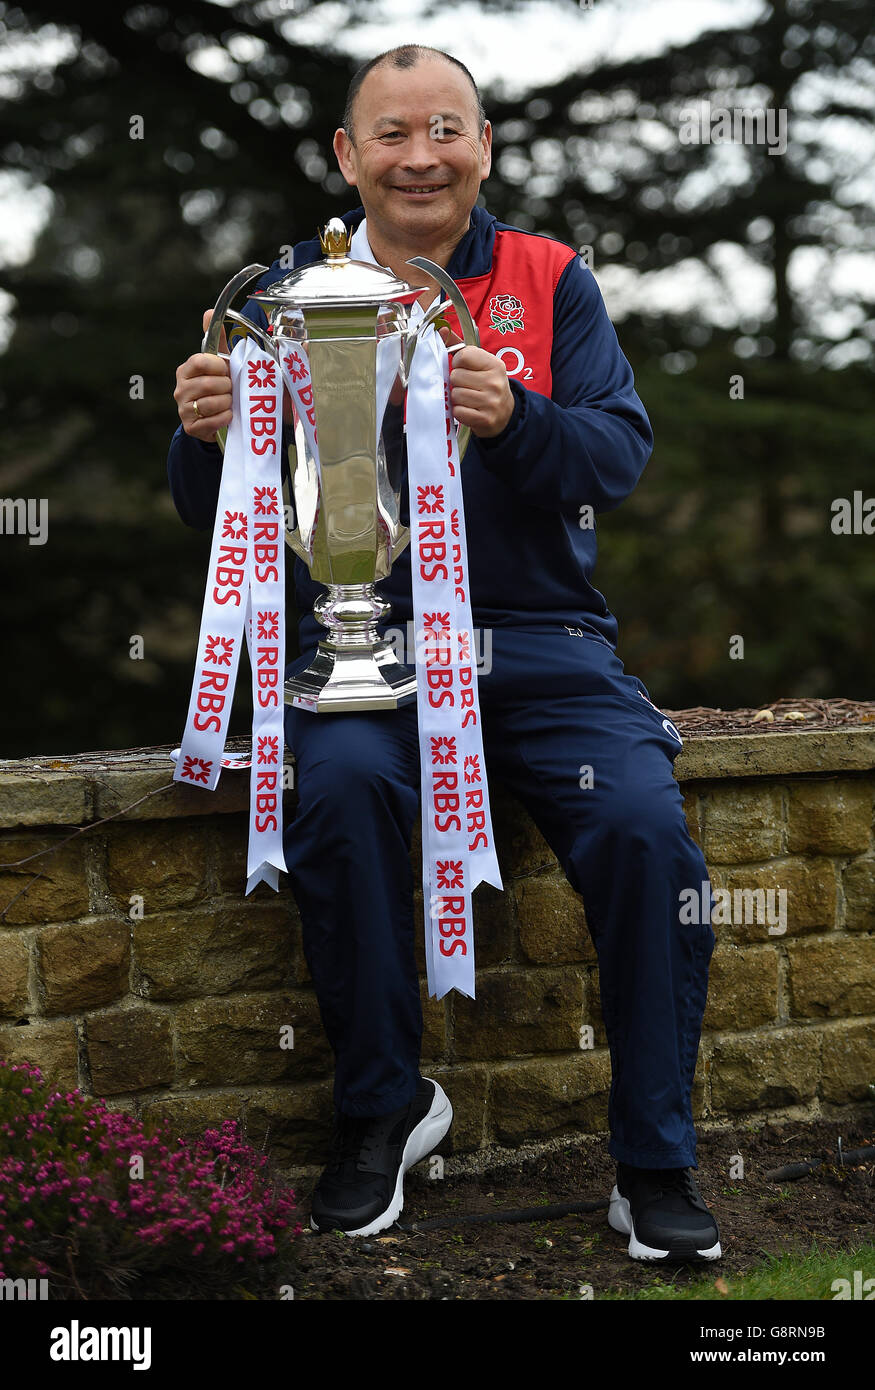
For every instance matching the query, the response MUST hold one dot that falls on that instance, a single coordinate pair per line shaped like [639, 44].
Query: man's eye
[391, 134]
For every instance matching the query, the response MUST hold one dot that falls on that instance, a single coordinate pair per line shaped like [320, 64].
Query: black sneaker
[662, 1212]
[361, 1191]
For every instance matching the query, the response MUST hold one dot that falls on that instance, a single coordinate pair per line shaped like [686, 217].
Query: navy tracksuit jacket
[567, 731]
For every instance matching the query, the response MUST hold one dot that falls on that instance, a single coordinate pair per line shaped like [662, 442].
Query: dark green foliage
[728, 532]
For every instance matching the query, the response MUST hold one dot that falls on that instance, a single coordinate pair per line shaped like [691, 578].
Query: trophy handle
[213, 335]
[469, 328]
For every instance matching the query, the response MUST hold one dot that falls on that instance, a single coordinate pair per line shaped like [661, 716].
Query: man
[559, 435]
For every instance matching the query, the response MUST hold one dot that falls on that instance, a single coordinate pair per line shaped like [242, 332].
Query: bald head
[407, 56]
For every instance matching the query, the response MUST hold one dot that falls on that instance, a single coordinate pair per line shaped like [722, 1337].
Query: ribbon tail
[265, 873]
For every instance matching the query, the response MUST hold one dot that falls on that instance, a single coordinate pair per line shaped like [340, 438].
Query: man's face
[418, 158]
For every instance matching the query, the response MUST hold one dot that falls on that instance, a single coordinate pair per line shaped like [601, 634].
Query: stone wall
[135, 968]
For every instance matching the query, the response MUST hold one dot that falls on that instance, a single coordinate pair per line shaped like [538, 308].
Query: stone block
[742, 823]
[858, 882]
[832, 978]
[552, 921]
[83, 965]
[810, 898]
[537, 1099]
[742, 988]
[163, 862]
[848, 1063]
[58, 894]
[40, 797]
[292, 1123]
[251, 1039]
[14, 962]
[230, 948]
[765, 1070]
[830, 816]
[129, 1050]
[520, 1012]
[466, 1089]
[49, 1045]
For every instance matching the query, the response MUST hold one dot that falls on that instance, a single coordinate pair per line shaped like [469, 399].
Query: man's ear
[486, 152]
[344, 151]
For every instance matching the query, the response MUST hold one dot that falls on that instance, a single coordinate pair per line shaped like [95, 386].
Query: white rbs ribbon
[245, 591]
[457, 843]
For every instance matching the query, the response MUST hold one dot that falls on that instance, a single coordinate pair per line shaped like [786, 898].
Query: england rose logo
[506, 313]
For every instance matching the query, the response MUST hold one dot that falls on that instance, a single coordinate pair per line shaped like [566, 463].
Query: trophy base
[345, 679]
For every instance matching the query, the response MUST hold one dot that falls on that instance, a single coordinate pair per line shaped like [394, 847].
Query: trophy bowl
[342, 333]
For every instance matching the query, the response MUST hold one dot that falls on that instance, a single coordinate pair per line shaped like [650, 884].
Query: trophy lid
[337, 281]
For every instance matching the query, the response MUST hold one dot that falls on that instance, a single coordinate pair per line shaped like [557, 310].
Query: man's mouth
[420, 189]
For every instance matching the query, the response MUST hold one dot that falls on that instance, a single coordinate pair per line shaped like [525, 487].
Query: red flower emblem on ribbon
[196, 770]
[430, 498]
[436, 626]
[472, 767]
[464, 645]
[266, 503]
[449, 873]
[268, 626]
[262, 372]
[295, 366]
[219, 650]
[443, 749]
[268, 749]
[234, 526]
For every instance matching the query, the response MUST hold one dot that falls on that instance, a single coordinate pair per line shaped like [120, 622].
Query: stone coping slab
[79, 788]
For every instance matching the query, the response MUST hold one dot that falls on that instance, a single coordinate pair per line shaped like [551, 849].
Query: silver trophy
[351, 320]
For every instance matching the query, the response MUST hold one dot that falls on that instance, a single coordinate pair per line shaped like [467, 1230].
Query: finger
[472, 400]
[208, 318]
[207, 407]
[206, 430]
[475, 377]
[468, 358]
[450, 338]
[205, 364]
[195, 386]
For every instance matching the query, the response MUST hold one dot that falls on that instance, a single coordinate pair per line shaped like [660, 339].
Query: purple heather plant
[73, 1208]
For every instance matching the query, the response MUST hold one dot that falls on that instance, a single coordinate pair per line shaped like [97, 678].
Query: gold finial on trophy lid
[335, 239]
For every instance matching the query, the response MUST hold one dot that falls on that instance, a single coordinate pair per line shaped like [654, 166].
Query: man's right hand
[204, 378]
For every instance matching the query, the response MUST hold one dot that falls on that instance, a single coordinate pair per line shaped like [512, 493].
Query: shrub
[104, 1205]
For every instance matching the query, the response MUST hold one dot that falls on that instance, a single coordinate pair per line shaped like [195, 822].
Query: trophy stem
[351, 612]
[354, 668]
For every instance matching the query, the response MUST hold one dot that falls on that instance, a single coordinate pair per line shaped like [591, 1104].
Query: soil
[551, 1259]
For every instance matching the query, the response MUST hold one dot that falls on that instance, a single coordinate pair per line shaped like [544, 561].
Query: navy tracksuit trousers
[553, 703]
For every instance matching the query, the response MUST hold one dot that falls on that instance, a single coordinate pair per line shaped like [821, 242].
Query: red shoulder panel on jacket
[512, 304]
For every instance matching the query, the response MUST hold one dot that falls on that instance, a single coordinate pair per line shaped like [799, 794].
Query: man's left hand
[480, 392]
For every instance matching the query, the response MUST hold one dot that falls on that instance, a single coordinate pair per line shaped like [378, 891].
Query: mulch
[554, 1259]
[785, 716]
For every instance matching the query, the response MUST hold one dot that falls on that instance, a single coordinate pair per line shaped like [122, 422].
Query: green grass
[808, 1277]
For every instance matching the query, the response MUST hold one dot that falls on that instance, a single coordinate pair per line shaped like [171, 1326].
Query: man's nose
[420, 151]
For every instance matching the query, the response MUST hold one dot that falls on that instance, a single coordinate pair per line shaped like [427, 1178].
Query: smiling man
[558, 436]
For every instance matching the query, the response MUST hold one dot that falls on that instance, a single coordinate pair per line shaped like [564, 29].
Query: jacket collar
[472, 256]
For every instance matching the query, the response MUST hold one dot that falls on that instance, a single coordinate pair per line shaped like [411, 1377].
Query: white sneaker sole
[620, 1218]
[420, 1143]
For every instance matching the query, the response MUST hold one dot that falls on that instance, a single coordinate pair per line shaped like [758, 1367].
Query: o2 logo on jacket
[506, 313]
